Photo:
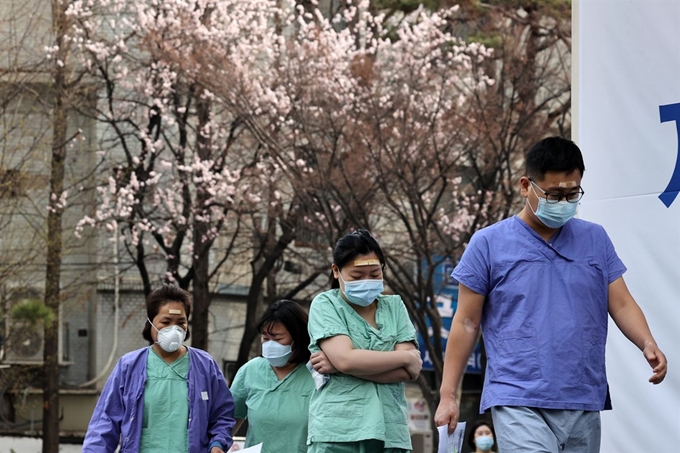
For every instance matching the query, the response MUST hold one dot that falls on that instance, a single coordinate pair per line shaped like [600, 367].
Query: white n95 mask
[170, 338]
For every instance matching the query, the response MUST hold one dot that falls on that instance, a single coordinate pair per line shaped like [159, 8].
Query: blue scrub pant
[532, 430]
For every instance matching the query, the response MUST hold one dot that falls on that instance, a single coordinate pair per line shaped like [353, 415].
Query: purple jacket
[118, 414]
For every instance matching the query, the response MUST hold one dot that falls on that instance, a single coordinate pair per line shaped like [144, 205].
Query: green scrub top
[166, 405]
[276, 409]
[349, 409]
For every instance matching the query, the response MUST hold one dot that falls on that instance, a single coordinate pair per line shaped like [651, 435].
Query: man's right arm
[459, 345]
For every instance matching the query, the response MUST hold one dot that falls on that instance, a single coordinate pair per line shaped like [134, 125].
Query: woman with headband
[367, 344]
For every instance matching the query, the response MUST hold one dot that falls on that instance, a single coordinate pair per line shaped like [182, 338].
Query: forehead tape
[568, 184]
[367, 263]
[172, 311]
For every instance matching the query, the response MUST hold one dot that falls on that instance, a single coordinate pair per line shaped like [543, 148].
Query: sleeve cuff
[216, 444]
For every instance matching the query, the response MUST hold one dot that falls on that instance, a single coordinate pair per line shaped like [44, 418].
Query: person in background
[542, 284]
[481, 437]
[167, 397]
[273, 391]
[367, 343]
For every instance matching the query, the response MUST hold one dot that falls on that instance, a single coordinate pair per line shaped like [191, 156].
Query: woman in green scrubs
[273, 391]
[367, 343]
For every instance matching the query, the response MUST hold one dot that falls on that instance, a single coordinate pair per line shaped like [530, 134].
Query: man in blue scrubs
[541, 286]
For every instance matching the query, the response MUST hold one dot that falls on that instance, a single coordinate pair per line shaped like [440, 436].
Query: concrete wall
[76, 407]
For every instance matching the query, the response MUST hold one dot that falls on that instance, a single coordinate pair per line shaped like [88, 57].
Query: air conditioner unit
[23, 342]
[23, 339]
[422, 442]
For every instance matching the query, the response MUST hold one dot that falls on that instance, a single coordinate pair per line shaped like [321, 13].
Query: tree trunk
[250, 330]
[201, 288]
[50, 424]
[201, 293]
[261, 269]
[201, 240]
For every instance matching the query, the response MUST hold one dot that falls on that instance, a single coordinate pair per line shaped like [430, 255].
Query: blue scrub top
[545, 316]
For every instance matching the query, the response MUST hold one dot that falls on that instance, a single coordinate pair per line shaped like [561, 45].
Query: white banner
[627, 123]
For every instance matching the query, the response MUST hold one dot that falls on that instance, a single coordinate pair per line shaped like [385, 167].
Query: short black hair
[471, 434]
[553, 154]
[161, 296]
[351, 245]
[291, 315]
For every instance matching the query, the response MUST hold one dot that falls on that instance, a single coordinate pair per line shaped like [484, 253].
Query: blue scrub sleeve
[615, 267]
[473, 269]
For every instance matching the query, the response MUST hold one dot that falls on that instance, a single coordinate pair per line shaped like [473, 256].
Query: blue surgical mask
[553, 215]
[484, 443]
[362, 292]
[277, 353]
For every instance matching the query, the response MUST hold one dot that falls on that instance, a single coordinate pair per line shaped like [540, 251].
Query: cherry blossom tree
[179, 173]
[368, 121]
[532, 97]
[185, 170]
[289, 125]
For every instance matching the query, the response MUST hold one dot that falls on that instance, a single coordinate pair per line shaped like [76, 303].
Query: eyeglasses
[556, 197]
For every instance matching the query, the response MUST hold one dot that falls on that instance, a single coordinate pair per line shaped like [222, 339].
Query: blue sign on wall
[446, 290]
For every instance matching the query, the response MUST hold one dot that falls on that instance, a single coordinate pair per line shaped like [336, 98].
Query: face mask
[277, 353]
[362, 292]
[170, 338]
[484, 443]
[553, 215]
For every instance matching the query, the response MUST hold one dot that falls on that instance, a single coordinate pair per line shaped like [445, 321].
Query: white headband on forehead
[568, 184]
[366, 263]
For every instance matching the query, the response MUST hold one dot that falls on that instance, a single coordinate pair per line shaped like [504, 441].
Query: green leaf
[32, 311]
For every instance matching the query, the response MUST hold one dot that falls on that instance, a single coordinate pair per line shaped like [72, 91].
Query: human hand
[657, 360]
[447, 413]
[217, 450]
[414, 364]
[234, 447]
[321, 363]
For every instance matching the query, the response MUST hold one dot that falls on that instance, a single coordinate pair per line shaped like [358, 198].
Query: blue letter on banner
[671, 112]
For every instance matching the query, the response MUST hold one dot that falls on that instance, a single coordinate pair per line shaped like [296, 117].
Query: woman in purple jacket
[167, 397]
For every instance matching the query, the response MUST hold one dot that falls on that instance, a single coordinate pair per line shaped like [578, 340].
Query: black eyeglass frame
[560, 196]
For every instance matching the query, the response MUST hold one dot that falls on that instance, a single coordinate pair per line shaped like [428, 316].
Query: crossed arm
[338, 354]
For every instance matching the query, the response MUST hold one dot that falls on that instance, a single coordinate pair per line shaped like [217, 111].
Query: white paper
[451, 443]
[319, 379]
[254, 449]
